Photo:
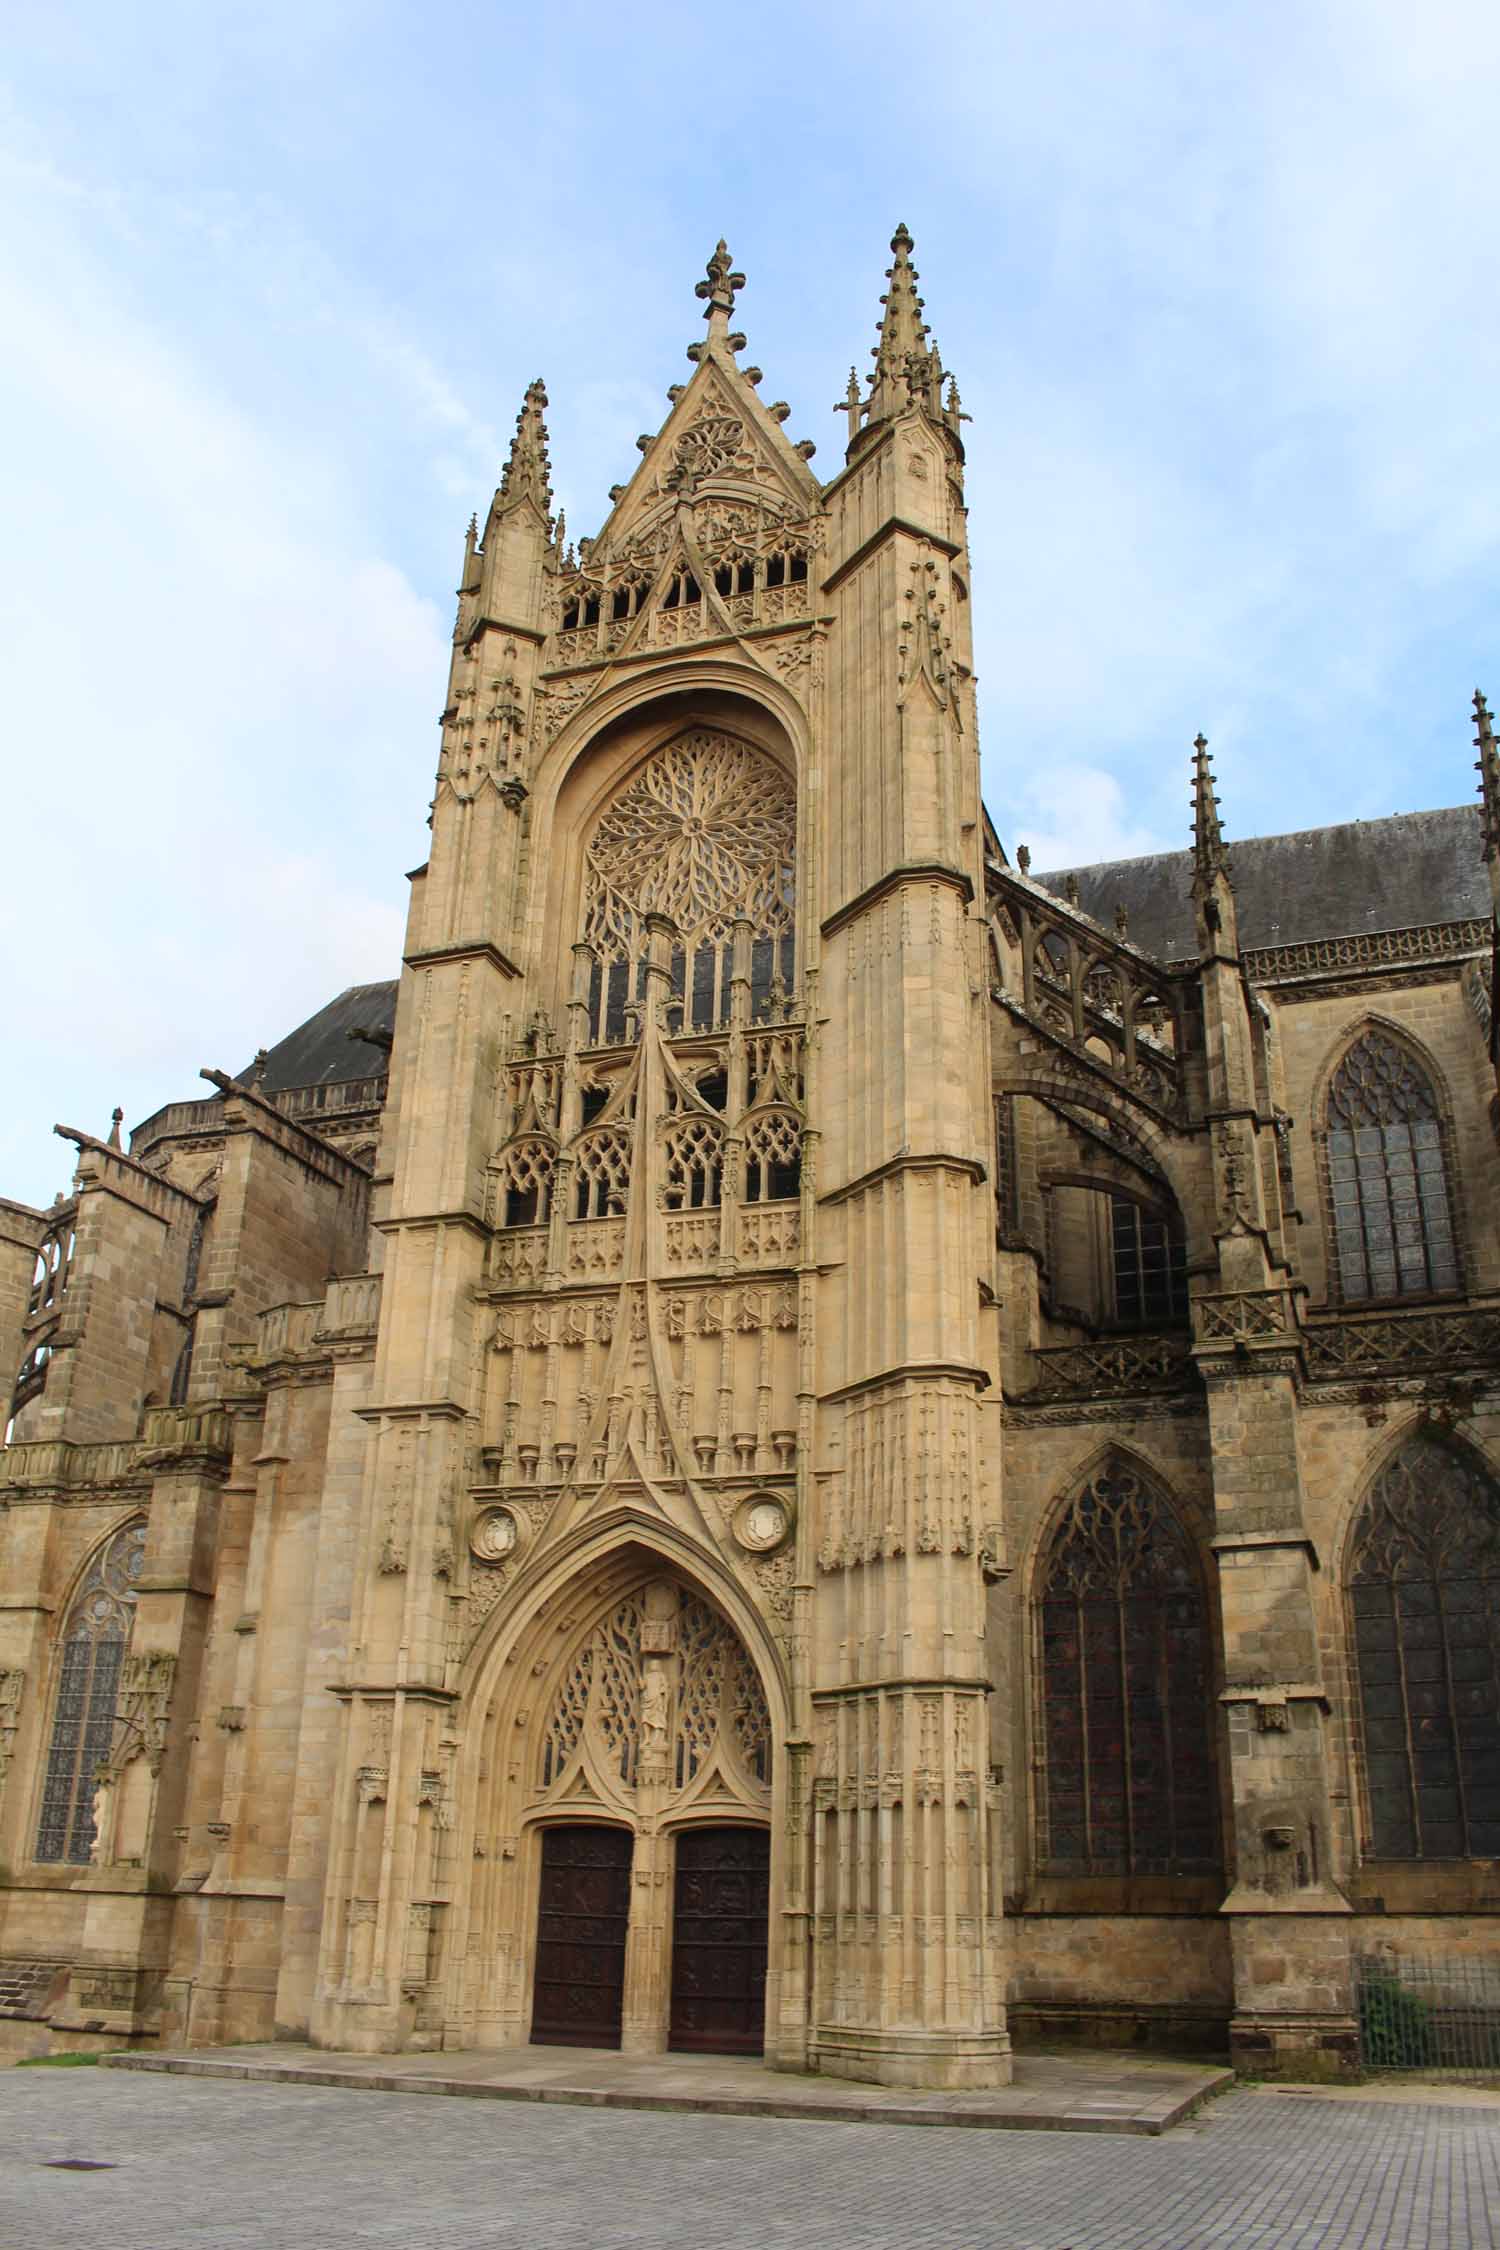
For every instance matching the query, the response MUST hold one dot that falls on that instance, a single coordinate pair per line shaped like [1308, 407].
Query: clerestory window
[1390, 1207]
[1150, 1267]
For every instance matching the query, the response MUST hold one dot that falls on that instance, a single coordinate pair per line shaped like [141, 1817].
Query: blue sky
[1218, 284]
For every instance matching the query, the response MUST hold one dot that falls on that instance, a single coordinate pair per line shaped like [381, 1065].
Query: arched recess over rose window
[703, 831]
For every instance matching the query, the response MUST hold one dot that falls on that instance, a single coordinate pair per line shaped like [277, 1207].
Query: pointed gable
[713, 534]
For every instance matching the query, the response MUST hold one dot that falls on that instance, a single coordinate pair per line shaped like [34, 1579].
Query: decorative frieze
[12, 1686]
[1243, 1316]
[1403, 1343]
[1366, 949]
[141, 1712]
[1110, 1367]
[187, 1438]
[907, 1487]
[351, 1309]
[55, 1464]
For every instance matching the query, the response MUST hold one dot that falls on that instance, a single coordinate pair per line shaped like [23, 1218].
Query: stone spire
[1487, 766]
[528, 472]
[717, 290]
[1213, 890]
[908, 370]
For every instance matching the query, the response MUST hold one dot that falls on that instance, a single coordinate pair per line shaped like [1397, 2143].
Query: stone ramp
[1084, 2093]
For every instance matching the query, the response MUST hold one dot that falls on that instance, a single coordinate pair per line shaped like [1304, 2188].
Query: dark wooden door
[580, 1938]
[719, 1940]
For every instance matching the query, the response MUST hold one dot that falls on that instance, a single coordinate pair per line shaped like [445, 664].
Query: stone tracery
[1424, 1594]
[662, 1691]
[94, 1647]
[704, 831]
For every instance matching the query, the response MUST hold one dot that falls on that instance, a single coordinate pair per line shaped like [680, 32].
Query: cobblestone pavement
[204, 2166]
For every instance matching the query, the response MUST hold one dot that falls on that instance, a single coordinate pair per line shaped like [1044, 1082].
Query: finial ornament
[1210, 853]
[528, 472]
[116, 1120]
[1213, 886]
[1487, 766]
[718, 290]
[908, 366]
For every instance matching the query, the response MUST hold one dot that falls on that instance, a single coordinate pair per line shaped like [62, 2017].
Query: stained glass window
[1126, 1688]
[1424, 1597]
[704, 831]
[1391, 1212]
[91, 1657]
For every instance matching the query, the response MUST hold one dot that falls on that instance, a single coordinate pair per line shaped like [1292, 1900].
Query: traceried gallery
[900, 1453]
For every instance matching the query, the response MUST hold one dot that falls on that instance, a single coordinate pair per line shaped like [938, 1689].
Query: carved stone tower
[542, 1575]
[677, 1502]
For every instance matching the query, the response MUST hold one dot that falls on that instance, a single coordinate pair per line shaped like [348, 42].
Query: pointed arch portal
[634, 1906]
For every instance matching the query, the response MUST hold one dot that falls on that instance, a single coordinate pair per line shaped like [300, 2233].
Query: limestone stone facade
[804, 1438]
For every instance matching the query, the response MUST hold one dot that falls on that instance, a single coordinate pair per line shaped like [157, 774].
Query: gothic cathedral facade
[804, 1442]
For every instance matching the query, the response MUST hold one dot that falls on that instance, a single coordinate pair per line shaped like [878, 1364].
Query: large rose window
[704, 831]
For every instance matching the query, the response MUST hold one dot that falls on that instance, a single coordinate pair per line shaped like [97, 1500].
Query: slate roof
[1402, 873]
[320, 1051]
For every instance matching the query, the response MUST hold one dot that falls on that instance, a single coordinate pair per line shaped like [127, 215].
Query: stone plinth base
[1162, 2027]
[1319, 2048]
[881, 2057]
[1294, 1989]
[362, 2027]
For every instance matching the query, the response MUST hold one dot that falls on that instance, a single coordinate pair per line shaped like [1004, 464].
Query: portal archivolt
[631, 1738]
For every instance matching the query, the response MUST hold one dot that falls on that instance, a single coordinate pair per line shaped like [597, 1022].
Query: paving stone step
[25, 1987]
[1049, 2096]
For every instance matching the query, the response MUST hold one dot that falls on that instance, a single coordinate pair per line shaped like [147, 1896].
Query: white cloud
[1073, 816]
[213, 657]
[1216, 286]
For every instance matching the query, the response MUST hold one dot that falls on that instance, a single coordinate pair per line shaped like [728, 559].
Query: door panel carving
[719, 1940]
[580, 1947]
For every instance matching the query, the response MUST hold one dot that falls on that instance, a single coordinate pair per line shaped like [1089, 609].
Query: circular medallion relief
[762, 1522]
[495, 1536]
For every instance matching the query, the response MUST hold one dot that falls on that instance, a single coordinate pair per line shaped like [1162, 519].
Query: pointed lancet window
[1390, 1207]
[1126, 1688]
[1424, 1599]
[91, 1657]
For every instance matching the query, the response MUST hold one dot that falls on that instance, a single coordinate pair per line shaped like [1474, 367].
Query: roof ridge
[1184, 852]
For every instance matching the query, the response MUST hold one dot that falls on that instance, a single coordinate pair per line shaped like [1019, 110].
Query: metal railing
[1426, 2013]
